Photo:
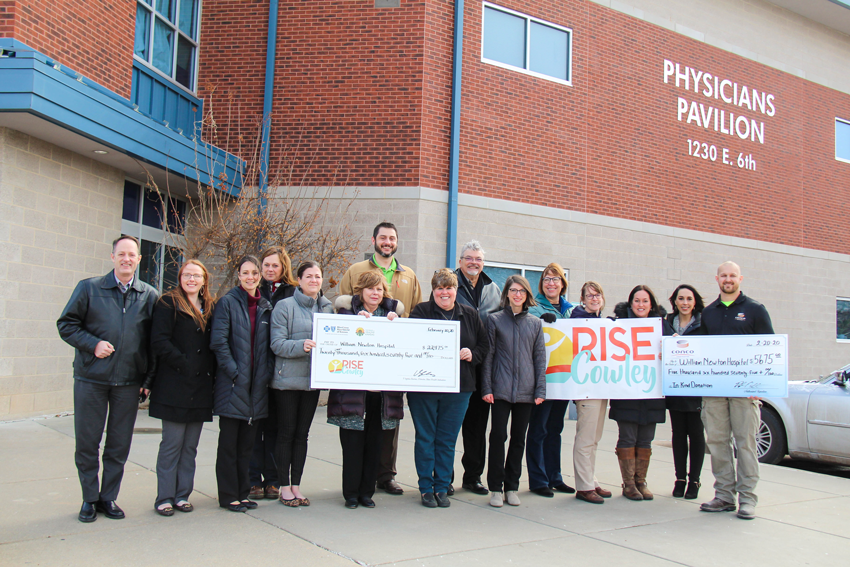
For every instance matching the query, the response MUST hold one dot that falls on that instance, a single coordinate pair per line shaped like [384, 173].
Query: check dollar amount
[406, 355]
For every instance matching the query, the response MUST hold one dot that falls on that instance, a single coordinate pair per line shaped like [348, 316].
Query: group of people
[246, 359]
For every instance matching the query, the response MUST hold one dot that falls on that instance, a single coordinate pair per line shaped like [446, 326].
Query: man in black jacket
[476, 289]
[733, 313]
[108, 321]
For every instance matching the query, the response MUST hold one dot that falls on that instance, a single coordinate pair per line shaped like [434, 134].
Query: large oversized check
[403, 355]
[728, 366]
[603, 359]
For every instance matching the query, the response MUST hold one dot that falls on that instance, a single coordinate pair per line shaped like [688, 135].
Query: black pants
[688, 436]
[474, 432]
[235, 443]
[500, 470]
[96, 406]
[361, 452]
[389, 454]
[263, 467]
[296, 409]
[635, 435]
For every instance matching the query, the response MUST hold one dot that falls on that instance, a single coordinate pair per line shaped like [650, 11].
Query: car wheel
[770, 440]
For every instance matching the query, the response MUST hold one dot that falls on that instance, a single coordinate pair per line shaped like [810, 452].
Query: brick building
[637, 141]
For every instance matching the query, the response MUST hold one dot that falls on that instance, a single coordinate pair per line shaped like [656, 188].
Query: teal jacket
[544, 306]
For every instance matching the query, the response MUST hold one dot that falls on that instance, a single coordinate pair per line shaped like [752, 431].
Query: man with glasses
[476, 289]
[108, 322]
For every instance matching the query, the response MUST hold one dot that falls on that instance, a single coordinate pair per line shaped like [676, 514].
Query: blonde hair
[205, 296]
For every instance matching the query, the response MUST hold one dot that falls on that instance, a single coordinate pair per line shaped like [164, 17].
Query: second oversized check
[404, 355]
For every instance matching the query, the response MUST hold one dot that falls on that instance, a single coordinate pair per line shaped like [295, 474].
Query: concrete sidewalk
[803, 518]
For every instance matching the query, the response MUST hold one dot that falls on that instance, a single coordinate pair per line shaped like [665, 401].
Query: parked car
[812, 423]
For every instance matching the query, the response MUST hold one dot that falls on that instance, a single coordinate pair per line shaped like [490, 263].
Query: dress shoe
[257, 493]
[366, 502]
[235, 507]
[271, 493]
[450, 490]
[717, 505]
[545, 491]
[565, 488]
[184, 506]
[88, 512]
[589, 496]
[391, 487]
[443, 499]
[429, 500]
[110, 509]
[602, 492]
[351, 503]
[476, 488]
[250, 504]
[747, 512]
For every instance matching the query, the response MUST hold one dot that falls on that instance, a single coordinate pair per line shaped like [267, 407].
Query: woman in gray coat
[292, 343]
[514, 381]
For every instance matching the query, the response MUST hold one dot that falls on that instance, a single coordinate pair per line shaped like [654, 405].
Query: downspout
[454, 143]
[268, 91]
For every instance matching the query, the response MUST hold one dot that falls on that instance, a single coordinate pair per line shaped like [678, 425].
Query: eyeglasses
[593, 296]
[472, 260]
[513, 291]
[551, 280]
[196, 277]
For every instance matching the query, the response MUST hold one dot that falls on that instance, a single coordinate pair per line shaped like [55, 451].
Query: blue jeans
[543, 444]
[437, 418]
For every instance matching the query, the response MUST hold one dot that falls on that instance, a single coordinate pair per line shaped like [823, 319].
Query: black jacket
[283, 291]
[491, 295]
[186, 365]
[241, 392]
[744, 317]
[686, 403]
[579, 313]
[473, 335]
[98, 311]
[642, 412]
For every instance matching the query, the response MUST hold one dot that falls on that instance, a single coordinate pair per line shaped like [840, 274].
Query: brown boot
[641, 465]
[627, 469]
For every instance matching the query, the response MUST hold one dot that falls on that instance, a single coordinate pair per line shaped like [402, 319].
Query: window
[499, 273]
[522, 43]
[842, 140]
[167, 38]
[842, 319]
[154, 221]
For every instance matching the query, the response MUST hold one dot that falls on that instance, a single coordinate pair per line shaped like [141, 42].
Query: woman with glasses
[543, 444]
[636, 419]
[514, 381]
[182, 390]
[590, 414]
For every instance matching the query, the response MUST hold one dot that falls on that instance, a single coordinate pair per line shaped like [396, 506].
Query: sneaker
[747, 512]
[496, 499]
[443, 499]
[511, 498]
[717, 505]
[257, 493]
[429, 500]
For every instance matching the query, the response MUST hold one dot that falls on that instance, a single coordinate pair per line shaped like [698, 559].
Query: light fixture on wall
[101, 152]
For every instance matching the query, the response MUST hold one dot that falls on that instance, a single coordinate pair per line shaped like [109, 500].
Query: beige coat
[405, 286]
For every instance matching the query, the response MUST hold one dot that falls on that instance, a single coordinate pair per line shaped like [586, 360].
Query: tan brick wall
[59, 212]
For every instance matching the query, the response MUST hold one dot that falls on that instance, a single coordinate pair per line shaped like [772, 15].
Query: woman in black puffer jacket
[360, 415]
[685, 419]
[240, 340]
[637, 419]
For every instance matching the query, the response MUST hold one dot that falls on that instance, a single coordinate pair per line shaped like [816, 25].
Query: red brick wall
[611, 143]
[94, 37]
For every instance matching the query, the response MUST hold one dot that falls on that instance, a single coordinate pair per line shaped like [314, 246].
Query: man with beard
[733, 313]
[476, 289]
[404, 287]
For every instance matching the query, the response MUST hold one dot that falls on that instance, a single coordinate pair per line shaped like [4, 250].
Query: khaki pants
[725, 418]
[591, 419]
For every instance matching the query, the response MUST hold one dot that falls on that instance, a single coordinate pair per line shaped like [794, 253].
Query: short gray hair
[473, 245]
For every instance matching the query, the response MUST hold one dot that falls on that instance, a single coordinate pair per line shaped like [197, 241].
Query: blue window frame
[167, 38]
[526, 44]
[842, 140]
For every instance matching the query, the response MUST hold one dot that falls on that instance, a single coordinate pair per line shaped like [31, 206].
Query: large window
[167, 38]
[842, 140]
[842, 319]
[499, 273]
[526, 44]
[156, 222]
